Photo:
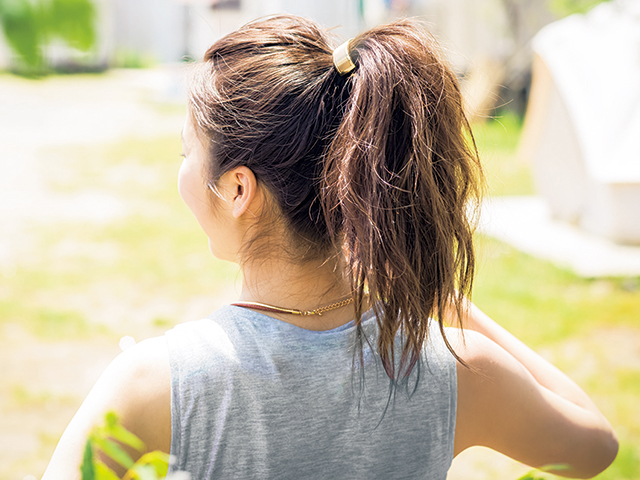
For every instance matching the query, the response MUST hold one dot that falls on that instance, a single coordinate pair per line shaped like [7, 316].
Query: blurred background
[95, 243]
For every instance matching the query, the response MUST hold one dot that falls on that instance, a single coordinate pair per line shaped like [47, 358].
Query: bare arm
[136, 385]
[514, 401]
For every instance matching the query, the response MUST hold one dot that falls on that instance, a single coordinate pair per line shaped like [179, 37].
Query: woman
[340, 181]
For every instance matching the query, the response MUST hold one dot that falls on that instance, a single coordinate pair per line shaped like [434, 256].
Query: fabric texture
[257, 398]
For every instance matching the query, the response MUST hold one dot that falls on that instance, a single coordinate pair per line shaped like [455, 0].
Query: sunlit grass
[153, 249]
[497, 141]
[24, 397]
[46, 322]
[546, 303]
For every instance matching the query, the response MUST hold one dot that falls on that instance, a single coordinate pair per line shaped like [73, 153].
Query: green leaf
[151, 466]
[555, 467]
[121, 434]
[73, 21]
[29, 26]
[536, 474]
[104, 473]
[158, 460]
[113, 451]
[110, 419]
[21, 24]
[87, 468]
[145, 472]
[531, 476]
[113, 429]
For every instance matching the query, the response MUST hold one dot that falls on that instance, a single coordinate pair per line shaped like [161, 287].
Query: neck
[304, 286]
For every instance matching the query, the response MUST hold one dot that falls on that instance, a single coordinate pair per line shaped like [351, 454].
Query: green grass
[24, 397]
[548, 303]
[45, 322]
[156, 249]
[497, 141]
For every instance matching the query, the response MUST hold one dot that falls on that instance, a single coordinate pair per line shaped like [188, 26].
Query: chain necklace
[272, 308]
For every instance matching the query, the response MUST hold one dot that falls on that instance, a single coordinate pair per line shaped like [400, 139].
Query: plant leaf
[73, 21]
[87, 470]
[118, 432]
[158, 460]
[111, 419]
[21, 25]
[113, 451]
[555, 466]
[104, 473]
[145, 472]
[121, 434]
[530, 476]
[536, 473]
[151, 466]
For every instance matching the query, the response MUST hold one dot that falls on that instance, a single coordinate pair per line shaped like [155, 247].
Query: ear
[244, 191]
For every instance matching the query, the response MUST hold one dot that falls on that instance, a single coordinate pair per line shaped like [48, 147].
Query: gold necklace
[272, 308]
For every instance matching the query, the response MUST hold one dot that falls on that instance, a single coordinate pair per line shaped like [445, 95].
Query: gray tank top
[255, 398]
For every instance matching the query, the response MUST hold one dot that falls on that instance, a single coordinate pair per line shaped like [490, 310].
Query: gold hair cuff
[341, 59]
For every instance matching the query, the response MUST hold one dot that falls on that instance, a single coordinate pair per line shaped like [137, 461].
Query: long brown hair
[378, 166]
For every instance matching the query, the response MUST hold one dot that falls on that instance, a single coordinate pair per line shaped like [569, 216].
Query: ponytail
[397, 184]
[377, 166]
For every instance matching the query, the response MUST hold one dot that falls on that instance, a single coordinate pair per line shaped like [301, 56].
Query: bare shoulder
[503, 407]
[139, 383]
[490, 386]
[137, 387]
[146, 361]
[468, 344]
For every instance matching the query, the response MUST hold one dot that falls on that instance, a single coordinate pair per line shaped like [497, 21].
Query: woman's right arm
[512, 400]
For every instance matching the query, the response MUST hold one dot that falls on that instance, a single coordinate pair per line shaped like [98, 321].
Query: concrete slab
[526, 224]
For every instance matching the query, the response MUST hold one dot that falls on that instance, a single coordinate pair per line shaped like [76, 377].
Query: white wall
[151, 27]
[206, 25]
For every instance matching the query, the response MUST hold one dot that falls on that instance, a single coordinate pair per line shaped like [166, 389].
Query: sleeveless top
[254, 397]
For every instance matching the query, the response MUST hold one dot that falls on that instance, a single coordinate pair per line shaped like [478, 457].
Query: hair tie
[341, 59]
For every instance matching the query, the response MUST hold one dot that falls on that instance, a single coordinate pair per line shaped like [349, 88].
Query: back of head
[376, 166]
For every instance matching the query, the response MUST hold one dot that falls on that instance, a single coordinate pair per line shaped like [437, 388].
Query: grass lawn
[137, 273]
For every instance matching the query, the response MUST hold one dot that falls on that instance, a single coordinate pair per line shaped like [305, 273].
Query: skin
[509, 399]
[513, 401]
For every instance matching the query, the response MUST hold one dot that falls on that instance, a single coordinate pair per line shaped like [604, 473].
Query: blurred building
[141, 32]
[133, 31]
